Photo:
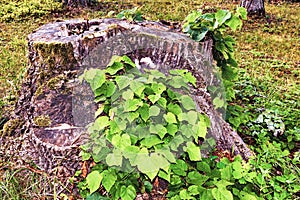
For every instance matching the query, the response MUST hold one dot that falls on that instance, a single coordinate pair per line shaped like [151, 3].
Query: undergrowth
[265, 110]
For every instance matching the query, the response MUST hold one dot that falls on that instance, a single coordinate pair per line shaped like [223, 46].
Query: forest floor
[268, 85]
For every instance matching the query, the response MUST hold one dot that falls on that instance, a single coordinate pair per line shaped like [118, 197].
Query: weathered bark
[51, 94]
[254, 7]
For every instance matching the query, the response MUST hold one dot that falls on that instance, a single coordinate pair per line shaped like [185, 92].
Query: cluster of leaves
[211, 179]
[143, 121]
[277, 163]
[132, 15]
[278, 181]
[214, 25]
[18, 10]
[277, 173]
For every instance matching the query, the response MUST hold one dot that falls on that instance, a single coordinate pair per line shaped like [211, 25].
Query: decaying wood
[48, 125]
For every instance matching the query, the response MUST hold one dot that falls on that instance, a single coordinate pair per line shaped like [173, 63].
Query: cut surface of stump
[54, 107]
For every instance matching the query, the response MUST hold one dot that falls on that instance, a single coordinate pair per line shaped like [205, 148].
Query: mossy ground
[267, 52]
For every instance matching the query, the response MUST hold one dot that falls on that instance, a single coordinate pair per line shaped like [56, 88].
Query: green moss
[12, 125]
[57, 57]
[52, 84]
[43, 120]
[54, 54]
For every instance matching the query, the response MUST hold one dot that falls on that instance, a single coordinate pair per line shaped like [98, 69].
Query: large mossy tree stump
[48, 125]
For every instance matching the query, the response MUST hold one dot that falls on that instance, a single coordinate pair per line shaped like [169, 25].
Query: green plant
[214, 25]
[277, 173]
[212, 179]
[133, 14]
[19, 10]
[142, 120]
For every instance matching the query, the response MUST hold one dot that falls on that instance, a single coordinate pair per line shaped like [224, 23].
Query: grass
[267, 53]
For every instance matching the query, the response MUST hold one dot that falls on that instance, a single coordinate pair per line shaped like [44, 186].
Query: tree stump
[48, 125]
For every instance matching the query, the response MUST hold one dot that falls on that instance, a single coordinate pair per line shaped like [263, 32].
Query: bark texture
[50, 117]
[254, 7]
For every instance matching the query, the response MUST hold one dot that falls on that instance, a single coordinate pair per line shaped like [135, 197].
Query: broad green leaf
[173, 95]
[114, 59]
[93, 180]
[187, 130]
[162, 102]
[221, 194]
[207, 194]
[151, 141]
[144, 112]
[196, 178]
[187, 102]
[117, 125]
[180, 168]
[158, 129]
[114, 159]
[234, 23]
[178, 82]
[170, 118]
[192, 117]
[193, 151]
[121, 141]
[128, 193]
[130, 152]
[128, 61]
[201, 129]
[182, 117]
[128, 94]
[246, 196]
[208, 16]
[95, 77]
[84, 155]
[145, 165]
[174, 108]
[204, 167]
[109, 179]
[198, 37]
[109, 89]
[132, 105]
[184, 194]
[222, 184]
[218, 102]
[193, 16]
[157, 74]
[99, 110]
[176, 142]
[172, 129]
[131, 116]
[167, 154]
[158, 88]
[122, 81]
[101, 155]
[222, 15]
[154, 111]
[160, 161]
[238, 170]
[242, 12]
[165, 175]
[154, 98]
[114, 68]
[190, 78]
[193, 190]
[95, 196]
[226, 172]
[101, 122]
[137, 87]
